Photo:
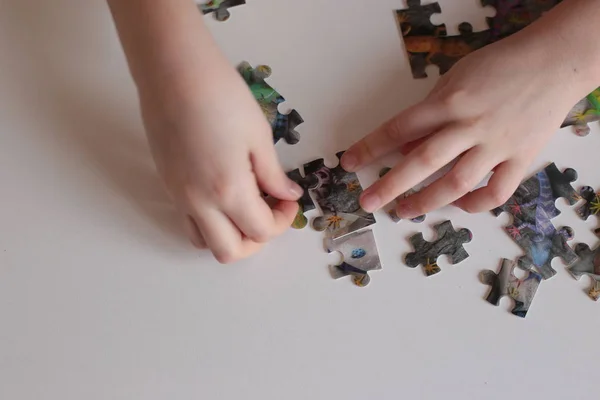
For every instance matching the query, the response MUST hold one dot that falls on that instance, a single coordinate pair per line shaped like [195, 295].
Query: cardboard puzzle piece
[360, 256]
[592, 203]
[220, 8]
[588, 264]
[337, 193]
[541, 249]
[390, 209]
[305, 203]
[449, 242]
[283, 125]
[505, 283]
[584, 113]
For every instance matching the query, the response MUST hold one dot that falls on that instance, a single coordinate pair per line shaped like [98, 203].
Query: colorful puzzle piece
[220, 8]
[390, 209]
[588, 264]
[449, 242]
[360, 256]
[592, 202]
[505, 283]
[337, 192]
[584, 113]
[283, 125]
[305, 203]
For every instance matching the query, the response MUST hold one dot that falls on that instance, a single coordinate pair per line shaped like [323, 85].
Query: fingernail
[405, 211]
[349, 161]
[296, 189]
[370, 202]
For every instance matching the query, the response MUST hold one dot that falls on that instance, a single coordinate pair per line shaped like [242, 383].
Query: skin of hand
[493, 112]
[211, 142]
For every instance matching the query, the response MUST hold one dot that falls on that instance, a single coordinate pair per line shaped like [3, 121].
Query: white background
[102, 297]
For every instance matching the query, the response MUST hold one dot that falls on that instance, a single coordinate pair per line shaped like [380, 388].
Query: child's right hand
[214, 149]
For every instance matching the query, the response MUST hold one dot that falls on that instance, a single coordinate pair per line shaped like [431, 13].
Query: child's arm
[210, 140]
[495, 110]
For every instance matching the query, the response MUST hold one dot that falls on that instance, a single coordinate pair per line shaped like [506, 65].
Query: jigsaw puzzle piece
[282, 125]
[360, 256]
[505, 283]
[514, 15]
[337, 192]
[592, 203]
[390, 209]
[220, 8]
[584, 113]
[540, 250]
[305, 203]
[588, 264]
[449, 242]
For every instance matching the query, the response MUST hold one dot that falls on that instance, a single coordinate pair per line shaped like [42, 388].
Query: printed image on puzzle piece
[305, 203]
[505, 283]
[591, 205]
[449, 242]
[542, 248]
[390, 209]
[283, 125]
[220, 8]
[588, 264]
[360, 256]
[584, 113]
[337, 193]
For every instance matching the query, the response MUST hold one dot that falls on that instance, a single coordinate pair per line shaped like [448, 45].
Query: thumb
[270, 176]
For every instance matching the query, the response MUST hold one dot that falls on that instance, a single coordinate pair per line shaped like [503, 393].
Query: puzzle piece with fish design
[220, 8]
[390, 209]
[282, 125]
[505, 283]
[449, 242]
[588, 264]
[360, 256]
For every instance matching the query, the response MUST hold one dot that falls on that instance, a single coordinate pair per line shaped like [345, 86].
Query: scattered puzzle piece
[505, 283]
[584, 113]
[588, 264]
[360, 256]
[220, 8]
[449, 242]
[592, 203]
[390, 209]
[283, 125]
[337, 192]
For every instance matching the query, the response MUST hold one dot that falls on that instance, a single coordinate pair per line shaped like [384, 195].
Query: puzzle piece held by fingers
[505, 283]
[220, 8]
[283, 125]
[449, 242]
[305, 203]
[360, 256]
[390, 209]
[588, 264]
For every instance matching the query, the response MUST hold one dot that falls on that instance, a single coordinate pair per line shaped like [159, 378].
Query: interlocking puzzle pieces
[588, 264]
[283, 125]
[390, 209]
[220, 8]
[360, 256]
[505, 283]
[449, 242]
[584, 113]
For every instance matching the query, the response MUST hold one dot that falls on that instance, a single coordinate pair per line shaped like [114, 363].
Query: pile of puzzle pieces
[429, 44]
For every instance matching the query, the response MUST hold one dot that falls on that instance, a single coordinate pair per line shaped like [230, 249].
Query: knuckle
[460, 183]
[428, 155]
[498, 196]
[226, 256]
[454, 100]
[393, 129]
[261, 235]
[224, 191]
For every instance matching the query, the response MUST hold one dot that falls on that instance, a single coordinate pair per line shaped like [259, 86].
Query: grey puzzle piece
[449, 242]
[360, 256]
[505, 283]
[220, 8]
[588, 264]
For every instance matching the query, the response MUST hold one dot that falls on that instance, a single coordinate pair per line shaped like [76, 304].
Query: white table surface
[102, 297]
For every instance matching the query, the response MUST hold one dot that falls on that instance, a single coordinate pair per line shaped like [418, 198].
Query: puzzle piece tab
[220, 8]
[588, 264]
[360, 256]
[390, 209]
[505, 283]
[449, 242]
[283, 125]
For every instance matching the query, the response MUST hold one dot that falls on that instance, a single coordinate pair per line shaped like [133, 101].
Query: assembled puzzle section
[505, 283]
[220, 8]
[360, 256]
[449, 242]
[283, 125]
[588, 264]
[390, 209]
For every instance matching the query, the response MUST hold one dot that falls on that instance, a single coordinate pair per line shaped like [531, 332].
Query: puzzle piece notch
[337, 193]
[282, 125]
[449, 242]
[505, 283]
[390, 209]
[220, 8]
[360, 256]
[588, 264]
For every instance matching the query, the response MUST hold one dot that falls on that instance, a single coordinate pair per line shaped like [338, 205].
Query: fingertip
[349, 161]
[284, 213]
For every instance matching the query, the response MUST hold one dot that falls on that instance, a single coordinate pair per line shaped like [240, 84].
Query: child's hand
[495, 110]
[214, 149]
